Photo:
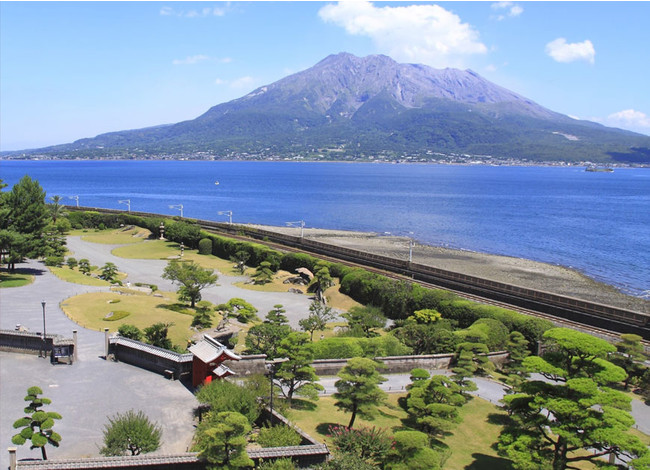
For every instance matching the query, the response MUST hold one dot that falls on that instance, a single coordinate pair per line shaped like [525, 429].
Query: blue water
[598, 223]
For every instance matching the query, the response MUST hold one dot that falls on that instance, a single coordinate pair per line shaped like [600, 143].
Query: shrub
[205, 246]
[278, 436]
[368, 444]
[220, 396]
[55, 261]
[116, 315]
[71, 262]
[277, 464]
[337, 348]
[130, 331]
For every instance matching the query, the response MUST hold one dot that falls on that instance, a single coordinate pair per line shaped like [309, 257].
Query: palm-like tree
[57, 209]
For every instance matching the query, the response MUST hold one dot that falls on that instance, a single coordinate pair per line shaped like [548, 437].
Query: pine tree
[37, 426]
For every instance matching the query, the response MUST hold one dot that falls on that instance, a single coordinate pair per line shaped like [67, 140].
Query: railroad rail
[557, 308]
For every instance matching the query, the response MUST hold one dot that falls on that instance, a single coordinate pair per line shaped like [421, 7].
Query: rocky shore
[517, 271]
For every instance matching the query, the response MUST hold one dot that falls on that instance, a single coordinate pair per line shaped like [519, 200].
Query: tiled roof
[209, 349]
[138, 461]
[160, 352]
[222, 371]
[293, 451]
[56, 339]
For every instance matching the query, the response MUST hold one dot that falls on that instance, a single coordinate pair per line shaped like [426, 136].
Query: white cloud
[426, 34]
[562, 51]
[166, 11]
[219, 81]
[629, 119]
[510, 10]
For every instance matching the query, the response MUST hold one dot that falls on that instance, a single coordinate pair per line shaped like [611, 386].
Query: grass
[90, 311]
[77, 277]
[15, 279]
[147, 249]
[276, 285]
[316, 420]
[115, 236]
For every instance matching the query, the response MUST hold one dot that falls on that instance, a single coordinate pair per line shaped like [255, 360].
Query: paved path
[149, 271]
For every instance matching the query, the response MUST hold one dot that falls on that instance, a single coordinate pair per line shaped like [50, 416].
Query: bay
[598, 223]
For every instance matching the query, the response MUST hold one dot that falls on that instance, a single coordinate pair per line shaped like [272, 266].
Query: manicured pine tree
[37, 425]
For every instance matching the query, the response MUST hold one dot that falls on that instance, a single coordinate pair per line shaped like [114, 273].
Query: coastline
[518, 271]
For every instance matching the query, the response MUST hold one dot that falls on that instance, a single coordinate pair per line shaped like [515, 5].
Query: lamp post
[272, 367]
[44, 333]
[228, 213]
[162, 230]
[127, 202]
[177, 206]
[299, 223]
[76, 198]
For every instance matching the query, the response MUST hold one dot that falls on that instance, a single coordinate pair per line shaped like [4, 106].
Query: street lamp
[299, 223]
[127, 202]
[177, 206]
[228, 213]
[44, 334]
[272, 367]
[76, 198]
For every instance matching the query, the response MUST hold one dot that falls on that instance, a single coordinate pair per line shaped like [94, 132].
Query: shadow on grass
[300, 404]
[488, 462]
[498, 419]
[178, 308]
[22, 271]
[324, 428]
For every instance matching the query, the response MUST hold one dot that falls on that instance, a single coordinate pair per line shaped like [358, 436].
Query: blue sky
[70, 70]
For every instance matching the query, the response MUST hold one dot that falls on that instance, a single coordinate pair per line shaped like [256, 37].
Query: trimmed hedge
[205, 246]
[344, 347]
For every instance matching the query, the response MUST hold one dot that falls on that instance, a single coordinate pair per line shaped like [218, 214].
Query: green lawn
[73, 275]
[470, 443]
[91, 310]
[115, 236]
[15, 279]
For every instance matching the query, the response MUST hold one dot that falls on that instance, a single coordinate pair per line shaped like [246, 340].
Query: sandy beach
[517, 271]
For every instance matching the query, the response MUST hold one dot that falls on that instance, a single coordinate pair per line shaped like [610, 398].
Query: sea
[595, 222]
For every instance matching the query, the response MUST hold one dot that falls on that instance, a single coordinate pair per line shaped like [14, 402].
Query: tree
[130, 331]
[469, 357]
[427, 338]
[265, 337]
[433, 405]
[156, 335]
[25, 216]
[517, 351]
[573, 415]
[37, 425]
[263, 273]
[130, 432]
[220, 395]
[365, 320]
[629, 356]
[240, 259]
[358, 389]
[221, 440]
[84, 266]
[425, 316]
[109, 271]
[411, 451]
[72, 262]
[192, 278]
[57, 210]
[321, 282]
[276, 316]
[319, 315]
[296, 375]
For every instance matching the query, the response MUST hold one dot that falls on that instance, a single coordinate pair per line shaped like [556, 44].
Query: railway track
[605, 334]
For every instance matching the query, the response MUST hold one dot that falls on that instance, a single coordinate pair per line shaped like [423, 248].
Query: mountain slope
[357, 107]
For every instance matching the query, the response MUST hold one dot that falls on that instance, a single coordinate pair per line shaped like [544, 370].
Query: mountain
[347, 107]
